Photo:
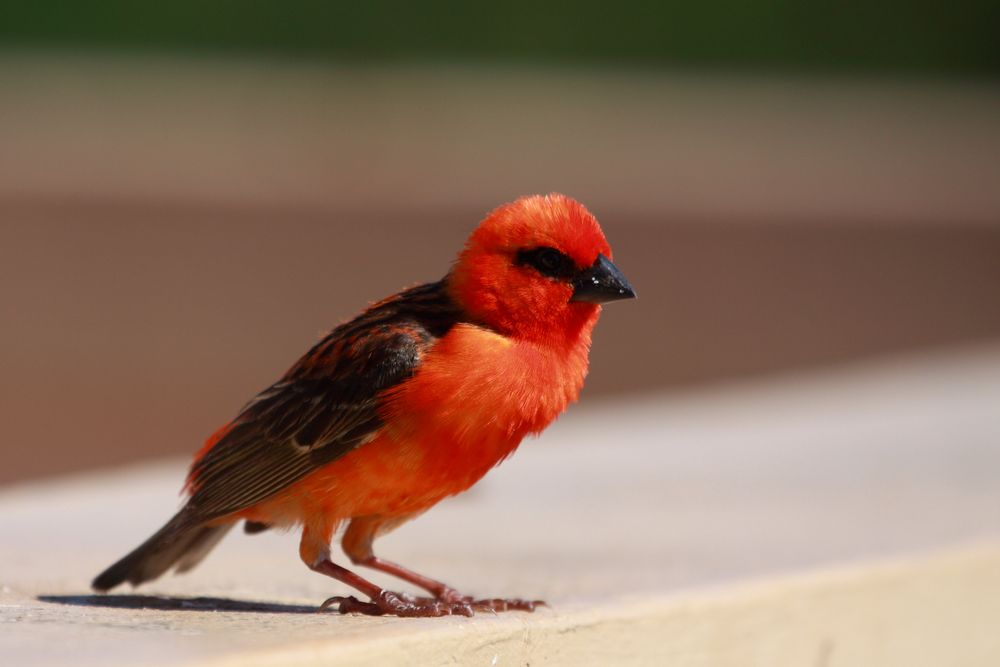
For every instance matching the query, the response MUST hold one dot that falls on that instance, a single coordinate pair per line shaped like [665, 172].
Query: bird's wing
[326, 405]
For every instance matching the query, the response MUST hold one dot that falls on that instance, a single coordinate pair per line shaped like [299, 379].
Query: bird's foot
[388, 603]
[450, 595]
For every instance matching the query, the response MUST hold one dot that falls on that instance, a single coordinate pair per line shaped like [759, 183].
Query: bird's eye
[547, 261]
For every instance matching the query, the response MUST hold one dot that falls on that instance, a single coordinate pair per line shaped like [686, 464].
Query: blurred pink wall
[173, 235]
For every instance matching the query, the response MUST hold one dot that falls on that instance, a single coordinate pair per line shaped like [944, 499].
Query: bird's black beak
[600, 283]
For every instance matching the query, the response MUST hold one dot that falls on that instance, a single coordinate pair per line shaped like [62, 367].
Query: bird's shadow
[169, 603]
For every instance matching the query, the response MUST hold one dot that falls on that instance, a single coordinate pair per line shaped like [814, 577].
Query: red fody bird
[411, 402]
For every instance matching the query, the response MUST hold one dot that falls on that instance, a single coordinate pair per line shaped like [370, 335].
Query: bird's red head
[537, 268]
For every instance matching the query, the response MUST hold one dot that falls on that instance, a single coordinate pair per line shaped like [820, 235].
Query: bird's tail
[180, 543]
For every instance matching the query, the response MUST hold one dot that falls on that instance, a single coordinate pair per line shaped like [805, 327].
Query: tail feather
[179, 543]
[204, 542]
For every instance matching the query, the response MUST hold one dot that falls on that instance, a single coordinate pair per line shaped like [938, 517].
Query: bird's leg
[382, 601]
[316, 554]
[444, 593]
[439, 590]
[357, 544]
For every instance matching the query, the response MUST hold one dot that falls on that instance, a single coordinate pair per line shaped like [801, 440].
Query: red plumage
[412, 401]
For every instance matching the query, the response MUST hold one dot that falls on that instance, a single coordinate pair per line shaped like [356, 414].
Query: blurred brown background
[175, 231]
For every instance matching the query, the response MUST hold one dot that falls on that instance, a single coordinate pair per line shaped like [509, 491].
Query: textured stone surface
[682, 527]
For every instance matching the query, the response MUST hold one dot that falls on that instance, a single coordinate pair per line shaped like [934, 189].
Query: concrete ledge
[936, 610]
[762, 524]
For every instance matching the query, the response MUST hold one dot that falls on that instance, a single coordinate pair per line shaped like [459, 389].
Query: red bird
[410, 402]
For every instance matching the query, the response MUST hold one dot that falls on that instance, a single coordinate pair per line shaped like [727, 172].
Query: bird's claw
[503, 604]
[450, 595]
[351, 604]
[388, 603]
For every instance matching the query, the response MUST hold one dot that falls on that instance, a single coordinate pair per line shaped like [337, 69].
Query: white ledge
[844, 518]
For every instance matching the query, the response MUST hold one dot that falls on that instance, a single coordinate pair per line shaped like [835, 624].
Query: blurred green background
[936, 38]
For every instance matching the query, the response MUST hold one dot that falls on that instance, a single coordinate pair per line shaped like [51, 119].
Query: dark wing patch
[325, 406]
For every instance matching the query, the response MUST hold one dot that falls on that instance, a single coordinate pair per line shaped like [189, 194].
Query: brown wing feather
[326, 405]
